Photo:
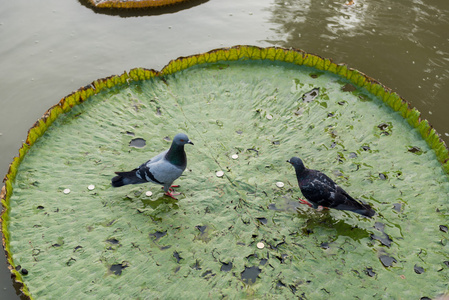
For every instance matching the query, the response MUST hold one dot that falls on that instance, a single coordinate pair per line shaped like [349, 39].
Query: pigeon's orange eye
[182, 140]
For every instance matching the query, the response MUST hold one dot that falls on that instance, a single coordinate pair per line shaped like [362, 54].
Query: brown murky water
[48, 49]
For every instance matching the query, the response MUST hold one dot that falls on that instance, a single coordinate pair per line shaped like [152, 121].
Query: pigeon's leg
[321, 208]
[305, 202]
[170, 192]
[172, 195]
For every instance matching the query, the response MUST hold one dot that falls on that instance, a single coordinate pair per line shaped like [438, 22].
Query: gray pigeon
[162, 169]
[321, 191]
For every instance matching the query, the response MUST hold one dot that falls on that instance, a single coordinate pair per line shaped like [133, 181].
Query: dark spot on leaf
[40, 207]
[137, 143]
[418, 269]
[272, 206]
[382, 176]
[112, 241]
[157, 235]
[330, 115]
[383, 238]
[348, 88]
[196, 265]
[158, 111]
[352, 155]
[366, 148]
[325, 245]
[387, 261]
[425, 298]
[313, 75]
[177, 256]
[292, 288]
[415, 150]
[18, 267]
[71, 261]
[250, 274]
[226, 267]
[446, 262]
[130, 133]
[276, 142]
[397, 207]
[341, 102]
[239, 132]
[370, 272]
[263, 262]
[280, 284]
[167, 139]
[24, 271]
[382, 126]
[77, 248]
[262, 220]
[208, 272]
[118, 268]
[443, 228]
[202, 229]
[311, 95]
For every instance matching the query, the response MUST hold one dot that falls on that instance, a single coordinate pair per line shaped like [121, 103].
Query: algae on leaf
[242, 234]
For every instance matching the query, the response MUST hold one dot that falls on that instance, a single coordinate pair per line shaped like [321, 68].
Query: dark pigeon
[162, 169]
[321, 191]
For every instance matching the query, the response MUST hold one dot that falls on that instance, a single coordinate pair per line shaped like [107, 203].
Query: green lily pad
[239, 233]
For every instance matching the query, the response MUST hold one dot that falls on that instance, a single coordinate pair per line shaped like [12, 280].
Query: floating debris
[91, 187]
[280, 184]
[260, 245]
[148, 193]
[269, 117]
[219, 173]
[235, 156]
[66, 191]
[443, 228]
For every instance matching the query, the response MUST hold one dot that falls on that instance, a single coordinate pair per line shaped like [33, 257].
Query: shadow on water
[143, 12]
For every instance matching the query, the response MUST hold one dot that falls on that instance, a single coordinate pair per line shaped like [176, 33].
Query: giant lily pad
[239, 232]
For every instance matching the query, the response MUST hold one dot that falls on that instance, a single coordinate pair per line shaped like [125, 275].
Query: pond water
[47, 51]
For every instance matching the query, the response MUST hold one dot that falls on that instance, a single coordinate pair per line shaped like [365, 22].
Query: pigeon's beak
[190, 142]
[288, 160]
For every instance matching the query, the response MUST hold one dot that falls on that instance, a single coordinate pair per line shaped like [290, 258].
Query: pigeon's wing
[160, 171]
[156, 158]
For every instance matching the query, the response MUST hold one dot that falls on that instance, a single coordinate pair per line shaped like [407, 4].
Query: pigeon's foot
[172, 195]
[305, 202]
[321, 208]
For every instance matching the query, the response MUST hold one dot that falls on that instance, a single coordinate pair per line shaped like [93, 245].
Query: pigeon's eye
[182, 140]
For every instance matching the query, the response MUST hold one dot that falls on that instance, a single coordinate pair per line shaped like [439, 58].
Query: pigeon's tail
[124, 178]
[359, 208]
